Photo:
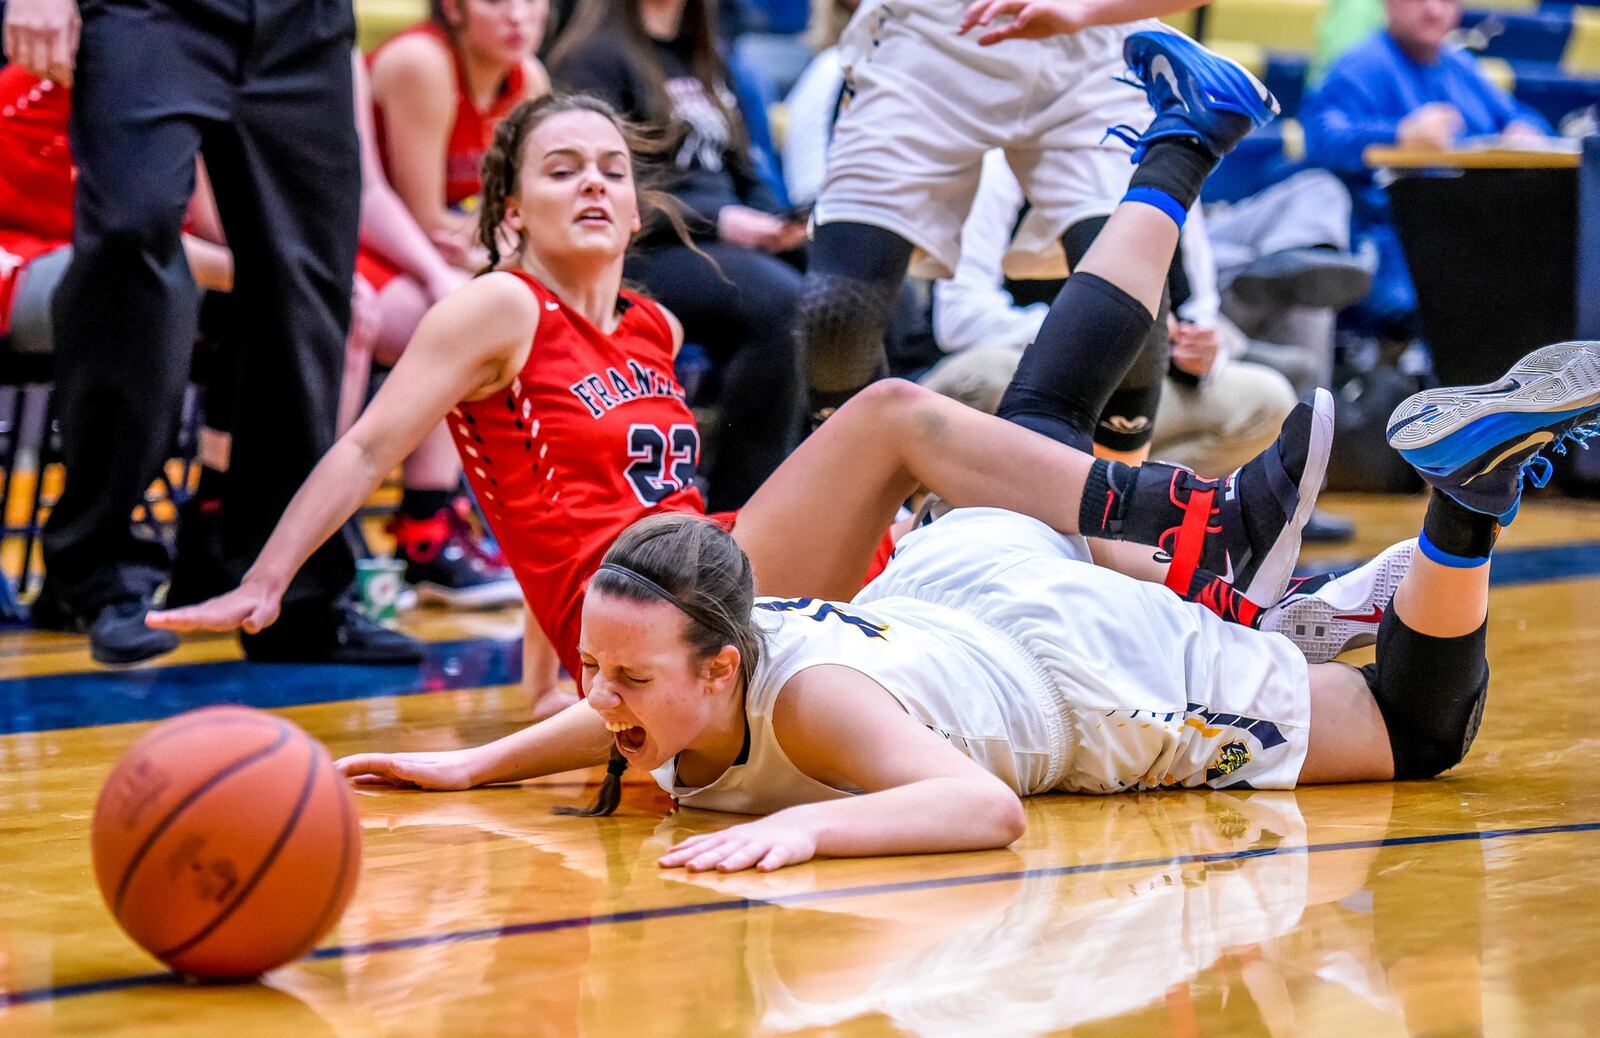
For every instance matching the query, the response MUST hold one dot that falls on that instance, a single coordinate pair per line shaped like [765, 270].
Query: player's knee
[1425, 751]
[888, 402]
[837, 311]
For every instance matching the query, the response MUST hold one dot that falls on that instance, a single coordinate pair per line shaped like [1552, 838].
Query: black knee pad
[854, 276]
[1431, 693]
[1128, 420]
[841, 323]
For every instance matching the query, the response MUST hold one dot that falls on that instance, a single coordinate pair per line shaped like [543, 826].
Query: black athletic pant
[743, 317]
[262, 88]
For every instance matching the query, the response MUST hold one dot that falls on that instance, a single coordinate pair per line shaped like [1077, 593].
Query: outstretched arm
[843, 729]
[467, 345]
[574, 738]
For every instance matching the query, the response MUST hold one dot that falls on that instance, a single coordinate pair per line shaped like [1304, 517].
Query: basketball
[225, 843]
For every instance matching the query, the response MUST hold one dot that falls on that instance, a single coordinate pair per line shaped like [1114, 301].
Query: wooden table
[1391, 157]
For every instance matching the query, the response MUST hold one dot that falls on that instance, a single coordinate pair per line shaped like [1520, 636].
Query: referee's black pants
[261, 88]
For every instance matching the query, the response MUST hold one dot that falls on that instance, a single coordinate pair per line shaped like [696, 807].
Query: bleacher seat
[1537, 37]
[1286, 78]
[377, 20]
[1273, 24]
[1183, 21]
[1553, 93]
[1582, 55]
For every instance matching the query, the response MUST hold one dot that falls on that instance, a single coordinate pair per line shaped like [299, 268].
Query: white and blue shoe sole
[1339, 616]
[1442, 430]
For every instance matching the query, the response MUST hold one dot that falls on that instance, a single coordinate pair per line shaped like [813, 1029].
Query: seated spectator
[1285, 270]
[736, 289]
[36, 195]
[1403, 87]
[439, 89]
[1216, 412]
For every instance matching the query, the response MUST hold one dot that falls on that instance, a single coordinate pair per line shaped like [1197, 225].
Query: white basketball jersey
[961, 678]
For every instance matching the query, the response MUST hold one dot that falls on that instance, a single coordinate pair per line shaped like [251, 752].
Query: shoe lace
[1538, 468]
[1124, 133]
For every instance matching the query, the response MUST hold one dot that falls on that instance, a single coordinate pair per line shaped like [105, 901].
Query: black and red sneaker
[1245, 527]
[450, 563]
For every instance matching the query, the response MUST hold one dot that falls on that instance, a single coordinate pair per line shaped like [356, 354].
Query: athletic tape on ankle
[1444, 558]
[1161, 200]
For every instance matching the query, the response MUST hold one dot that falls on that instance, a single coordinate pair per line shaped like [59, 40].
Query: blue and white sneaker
[1475, 443]
[1196, 94]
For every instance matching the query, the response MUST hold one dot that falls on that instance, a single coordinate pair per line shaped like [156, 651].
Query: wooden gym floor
[1467, 905]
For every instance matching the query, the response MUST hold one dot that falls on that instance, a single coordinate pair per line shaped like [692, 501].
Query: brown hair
[502, 167]
[619, 22]
[696, 565]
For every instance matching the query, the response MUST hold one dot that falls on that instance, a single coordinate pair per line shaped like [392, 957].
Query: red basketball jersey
[473, 130]
[36, 175]
[36, 171]
[591, 435]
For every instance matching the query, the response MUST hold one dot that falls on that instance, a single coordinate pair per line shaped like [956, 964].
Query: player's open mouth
[630, 737]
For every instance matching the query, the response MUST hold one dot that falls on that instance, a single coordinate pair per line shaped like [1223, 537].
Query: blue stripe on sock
[1161, 200]
[1444, 558]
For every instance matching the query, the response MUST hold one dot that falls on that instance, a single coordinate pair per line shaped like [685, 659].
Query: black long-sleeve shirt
[711, 168]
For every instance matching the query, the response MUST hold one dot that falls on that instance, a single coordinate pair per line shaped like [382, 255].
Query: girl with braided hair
[559, 389]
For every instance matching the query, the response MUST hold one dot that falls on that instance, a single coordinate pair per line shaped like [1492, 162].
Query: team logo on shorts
[1233, 756]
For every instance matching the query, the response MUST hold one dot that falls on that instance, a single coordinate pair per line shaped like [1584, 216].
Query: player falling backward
[992, 661]
[511, 352]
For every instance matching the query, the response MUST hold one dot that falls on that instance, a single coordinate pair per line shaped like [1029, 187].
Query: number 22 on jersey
[665, 461]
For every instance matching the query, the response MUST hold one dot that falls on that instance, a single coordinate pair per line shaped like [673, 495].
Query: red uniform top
[36, 175]
[473, 130]
[592, 435]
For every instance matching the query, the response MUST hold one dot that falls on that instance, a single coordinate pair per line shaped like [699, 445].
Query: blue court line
[29, 996]
[97, 697]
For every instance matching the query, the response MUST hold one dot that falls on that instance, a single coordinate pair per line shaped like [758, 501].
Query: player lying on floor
[990, 661]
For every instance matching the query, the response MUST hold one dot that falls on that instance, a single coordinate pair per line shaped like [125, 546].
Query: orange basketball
[225, 843]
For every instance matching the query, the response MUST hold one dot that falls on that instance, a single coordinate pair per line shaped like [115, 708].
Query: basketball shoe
[1329, 614]
[1196, 93]
[1479, 445]
[448, 563]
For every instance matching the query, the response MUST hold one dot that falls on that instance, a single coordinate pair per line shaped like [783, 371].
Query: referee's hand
[42, 37]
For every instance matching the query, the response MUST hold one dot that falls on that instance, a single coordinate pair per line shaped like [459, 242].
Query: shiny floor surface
[1468, 905]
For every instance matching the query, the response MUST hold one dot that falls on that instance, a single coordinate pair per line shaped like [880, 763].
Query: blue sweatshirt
[1373, 87]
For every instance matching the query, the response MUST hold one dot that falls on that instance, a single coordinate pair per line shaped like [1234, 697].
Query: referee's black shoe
[337, 634]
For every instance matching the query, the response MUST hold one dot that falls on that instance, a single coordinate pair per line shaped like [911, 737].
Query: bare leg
[813, 526]
[1133, 252]
[434, 465]
[541, 674]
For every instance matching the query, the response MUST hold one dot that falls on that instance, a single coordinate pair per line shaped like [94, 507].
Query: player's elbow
[1007, 817]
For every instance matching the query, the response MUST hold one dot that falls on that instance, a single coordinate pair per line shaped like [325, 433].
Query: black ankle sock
[1147, 504]
[424, 504]
[1106, 499]
[1457, 530]
[1177, 167]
